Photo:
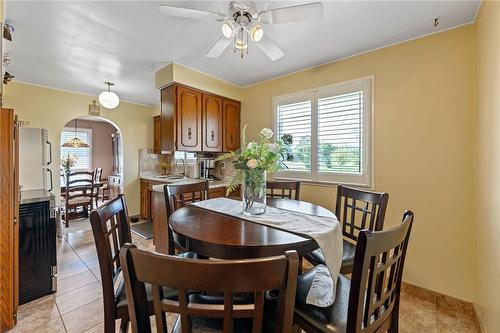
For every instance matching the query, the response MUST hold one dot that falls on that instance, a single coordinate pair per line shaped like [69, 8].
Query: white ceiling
[77, 45]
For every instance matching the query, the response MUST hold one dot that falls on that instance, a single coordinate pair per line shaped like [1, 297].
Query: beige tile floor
[77, 305]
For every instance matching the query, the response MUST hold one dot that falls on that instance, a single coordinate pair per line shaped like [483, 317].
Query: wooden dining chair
[356, 210]
[369, 302]
[111, 229]
[178, 196]
[283, 189]
[231, 278]
[97, 185]
[78, 194]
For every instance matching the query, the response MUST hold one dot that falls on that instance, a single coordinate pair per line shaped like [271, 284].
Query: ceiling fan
[243, 22]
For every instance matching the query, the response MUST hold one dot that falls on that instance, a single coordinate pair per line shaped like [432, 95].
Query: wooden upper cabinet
[231, 121]
[167, 119]
[157, 135]
[188, 116]
[195, 121]
[212, 123]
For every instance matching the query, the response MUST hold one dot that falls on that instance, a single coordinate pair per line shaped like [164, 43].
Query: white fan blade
[309, 11]
[189, 13]
[220, 45]
[270, 48]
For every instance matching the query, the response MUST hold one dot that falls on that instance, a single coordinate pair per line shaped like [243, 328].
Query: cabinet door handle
[189, 133]
[212, 135]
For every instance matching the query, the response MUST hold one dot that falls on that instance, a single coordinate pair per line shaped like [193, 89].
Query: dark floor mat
[143, 229]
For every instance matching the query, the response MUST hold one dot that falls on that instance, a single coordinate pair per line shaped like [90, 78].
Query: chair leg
[66, 218]
[109, 325]
[123, 325]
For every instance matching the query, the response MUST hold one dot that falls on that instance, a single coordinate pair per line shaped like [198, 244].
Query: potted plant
[252, 162]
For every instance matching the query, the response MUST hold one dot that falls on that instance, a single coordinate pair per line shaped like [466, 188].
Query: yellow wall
[423, 104]
[52, 109]
[193, 78]
[487, 169]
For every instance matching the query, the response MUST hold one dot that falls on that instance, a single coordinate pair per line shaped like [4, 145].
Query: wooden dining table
[215, 235]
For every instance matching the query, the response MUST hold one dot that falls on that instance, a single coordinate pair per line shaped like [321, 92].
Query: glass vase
[254, 192]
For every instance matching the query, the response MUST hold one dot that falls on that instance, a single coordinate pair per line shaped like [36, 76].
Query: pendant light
[109, 99]
[75, 142]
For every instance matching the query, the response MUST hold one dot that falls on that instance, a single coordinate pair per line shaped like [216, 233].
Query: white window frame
[365, 179]
[89, 133]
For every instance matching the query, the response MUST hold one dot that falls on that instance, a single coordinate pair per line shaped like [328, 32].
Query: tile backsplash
[151, 163]
[154, 164]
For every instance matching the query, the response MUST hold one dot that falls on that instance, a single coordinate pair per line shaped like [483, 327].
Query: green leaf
[226, 156]
[236, 180]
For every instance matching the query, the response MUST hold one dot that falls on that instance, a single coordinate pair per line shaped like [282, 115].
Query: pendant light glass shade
[109, 99]
[75, 142]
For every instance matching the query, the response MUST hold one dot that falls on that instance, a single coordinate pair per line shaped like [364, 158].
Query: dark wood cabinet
[212, 123]
[188, 119]
[231, 121]
[157, 135]
[167, 119]
[160, 224]
[9, 216]
[145, 202]
[218, 192]
[195, 121]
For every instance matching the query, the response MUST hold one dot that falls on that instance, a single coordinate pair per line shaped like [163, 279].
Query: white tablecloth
[325, 231]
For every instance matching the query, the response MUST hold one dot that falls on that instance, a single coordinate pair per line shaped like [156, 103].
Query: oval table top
[216, 235]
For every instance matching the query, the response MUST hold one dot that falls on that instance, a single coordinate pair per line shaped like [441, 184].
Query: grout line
[93, 327]
[60, 315]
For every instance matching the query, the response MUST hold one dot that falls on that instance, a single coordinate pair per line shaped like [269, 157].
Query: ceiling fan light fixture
[240, 44]
[109, 99]
[227, 29]
[256, 33]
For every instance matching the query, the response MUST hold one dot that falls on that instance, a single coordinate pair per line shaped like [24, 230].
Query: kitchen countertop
[32, 196]
[181, 181]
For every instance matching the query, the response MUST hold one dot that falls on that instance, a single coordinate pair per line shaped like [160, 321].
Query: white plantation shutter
[83, 154]
[340, 133]
[335, 140]
[294, 117]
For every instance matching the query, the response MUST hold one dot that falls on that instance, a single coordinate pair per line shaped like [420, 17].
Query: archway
[105, 151]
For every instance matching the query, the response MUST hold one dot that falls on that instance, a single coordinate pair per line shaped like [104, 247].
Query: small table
[216, 235]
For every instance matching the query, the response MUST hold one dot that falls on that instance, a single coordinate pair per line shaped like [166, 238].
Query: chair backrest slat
[111, 229]
[376, 278]
[358, 209]
[97, 175]
[285, 189]
[253, 276]
[79, 184]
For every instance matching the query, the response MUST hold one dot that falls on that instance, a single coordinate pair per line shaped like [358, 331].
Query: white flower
[274, 147]
[267, 133]
[251, 145]
[252, 164]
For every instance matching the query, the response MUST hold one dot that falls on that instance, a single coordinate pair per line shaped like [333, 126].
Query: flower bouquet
[252, 161]
[67, 163]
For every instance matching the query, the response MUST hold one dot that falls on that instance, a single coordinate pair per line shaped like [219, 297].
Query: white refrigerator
[35, 155]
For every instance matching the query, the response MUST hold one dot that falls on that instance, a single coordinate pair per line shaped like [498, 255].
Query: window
[84, 155]
[331, 128]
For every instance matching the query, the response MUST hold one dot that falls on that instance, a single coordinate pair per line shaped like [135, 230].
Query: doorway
[101, 153]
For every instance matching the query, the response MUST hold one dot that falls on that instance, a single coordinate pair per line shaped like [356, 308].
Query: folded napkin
[325, 231]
